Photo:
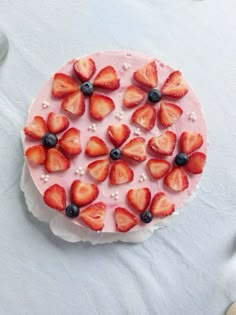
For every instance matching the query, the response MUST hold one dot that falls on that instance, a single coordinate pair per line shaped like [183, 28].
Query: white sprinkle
[47, 176]
[45, 104]
[141, 179]
[42, 176]
[113, 195]
[80, 168]
[144, 177]
[76, 171]
[81, 173]
[93, 125]
[192, 116]
[45, 180]
[90, 127]
[116, 197]
[117, 193]
[126, 66]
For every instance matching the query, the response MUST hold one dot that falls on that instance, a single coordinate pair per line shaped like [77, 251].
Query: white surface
[181, 270]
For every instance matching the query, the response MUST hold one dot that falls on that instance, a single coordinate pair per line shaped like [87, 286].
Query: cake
[115, 142]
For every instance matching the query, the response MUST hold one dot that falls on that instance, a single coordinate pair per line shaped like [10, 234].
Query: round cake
[115, 141]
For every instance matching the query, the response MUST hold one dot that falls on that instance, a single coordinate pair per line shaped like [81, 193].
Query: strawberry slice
[176, 179]
[158, 168]
[96, 147]
[36, 129]
[36, 154]
[175, 85]
[144, 116]
[98, 170]
[57, 123]
[70, 141]
[84, 68]
[196, 163]
[100, 106]
[74, 103]
[121, 173]
[118, 134]
[56, 161]
[190, 141]
[94, 216]
[63, 85]
[55, 197]
[169, 113]
[125, 220]
[133, 96]
[107, 79]
[135, 149]
[147, 75]
[161, 206]
[163, 144]
[83, 193]
[139, 198]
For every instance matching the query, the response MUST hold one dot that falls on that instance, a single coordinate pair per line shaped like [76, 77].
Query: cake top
[115, 140]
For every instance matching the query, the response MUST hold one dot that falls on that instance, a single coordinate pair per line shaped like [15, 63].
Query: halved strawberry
[139, 198]
[158, 168]
[36, 129]
[84, 68]
[163, 144]
[100, 106]
[98, 170]
[161, 206]
[94, 216]
[36, 154]
[135, 149]
[107, 79]
[56, 161]
[190, 141]
[96, 147]
[133, 96]
[70, 141]
[176, 179]
[196, 163]
[55, 197]
[145, 116]
[118, 134]
[83, 193]
[63, 84]
[147, 75]
[175, 85]
[169, 113]
[74, 103]
[57, 123]
[125, 220]
[121, 173]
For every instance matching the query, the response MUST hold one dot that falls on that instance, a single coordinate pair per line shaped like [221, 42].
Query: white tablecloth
[182, 269]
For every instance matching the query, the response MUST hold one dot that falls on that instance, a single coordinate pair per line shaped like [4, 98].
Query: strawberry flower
[187, 161]
[52, 152]
[145, 116]
[81, 194]
[119, 172]
[73, 93]
[139, 199]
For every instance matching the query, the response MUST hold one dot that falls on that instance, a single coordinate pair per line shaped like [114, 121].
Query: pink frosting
[189, 103]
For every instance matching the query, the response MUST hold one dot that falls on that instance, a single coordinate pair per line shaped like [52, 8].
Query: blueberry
[87, 88]
[72, 211]
[115, 154]
[154, 95]
[49, 140]
[146, 216]
[181, 159]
